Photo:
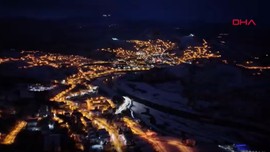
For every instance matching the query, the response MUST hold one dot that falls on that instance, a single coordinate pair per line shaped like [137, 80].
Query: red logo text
[246, 22]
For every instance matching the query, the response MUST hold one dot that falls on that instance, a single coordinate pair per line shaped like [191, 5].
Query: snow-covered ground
[147, 92]
[152, 102]
[171, 124]
[202, 132]
[126, 105]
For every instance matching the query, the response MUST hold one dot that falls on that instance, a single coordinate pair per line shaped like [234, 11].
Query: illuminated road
[102, 123]
[160, 144]
[254, 67]
[11, 136]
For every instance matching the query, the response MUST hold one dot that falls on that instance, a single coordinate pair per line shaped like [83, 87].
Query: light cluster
[144, 56]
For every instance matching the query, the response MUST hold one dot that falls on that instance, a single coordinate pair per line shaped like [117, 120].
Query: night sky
[158, 10]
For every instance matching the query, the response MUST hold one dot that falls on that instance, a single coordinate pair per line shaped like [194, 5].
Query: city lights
[145, 55]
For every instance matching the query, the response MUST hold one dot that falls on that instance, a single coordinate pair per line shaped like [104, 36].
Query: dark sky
[160, 10]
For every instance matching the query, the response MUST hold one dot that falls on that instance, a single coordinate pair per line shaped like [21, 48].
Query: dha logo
[246, 22]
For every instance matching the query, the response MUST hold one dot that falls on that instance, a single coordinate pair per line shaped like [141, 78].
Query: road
[11, 136]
